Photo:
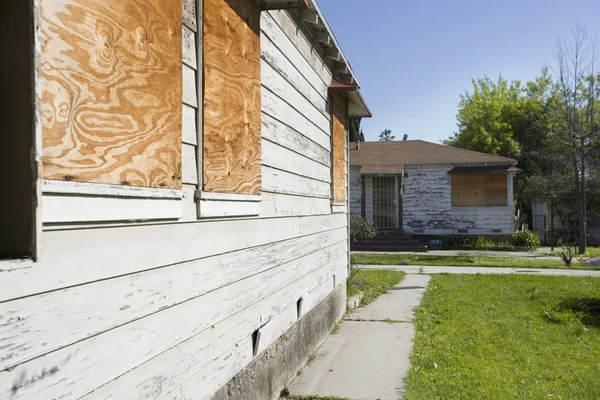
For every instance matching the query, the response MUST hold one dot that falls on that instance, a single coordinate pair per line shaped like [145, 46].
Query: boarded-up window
[339, 150]
[111, 102]
[232, 97]
[479, 190]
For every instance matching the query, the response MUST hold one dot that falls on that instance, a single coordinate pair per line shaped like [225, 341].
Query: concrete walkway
[368, 358]
[413, 269]
[485, 253]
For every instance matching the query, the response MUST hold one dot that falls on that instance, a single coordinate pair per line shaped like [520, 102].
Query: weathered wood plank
[189, 87]
[279, 133]
[340, 112]
[84, 365]
[273, 81]
[228, 208]
[281, 158]
[189, 48]
[190, 171]
[60, 208]
[232, 99]
[188, 203]
[277, 58]
[189, 14]
[189, 125]
[282, 111]
[279, 205]
[277, 181]
[101, 120]
[283, 20]
[201, 370]
[116, 251]
[58, 319]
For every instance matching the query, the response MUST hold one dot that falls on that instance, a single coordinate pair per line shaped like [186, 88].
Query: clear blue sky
[414, 58]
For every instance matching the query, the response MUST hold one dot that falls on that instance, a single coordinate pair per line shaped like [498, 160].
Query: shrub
[528, 239]
[361, 229]
[482, 243]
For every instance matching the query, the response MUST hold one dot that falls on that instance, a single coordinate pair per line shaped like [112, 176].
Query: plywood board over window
[232, 97]
[111, 102]
[340, 112]
[479, 190]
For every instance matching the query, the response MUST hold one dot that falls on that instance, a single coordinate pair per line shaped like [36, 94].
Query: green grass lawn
[594, 251]
[461, 261]
[372, 283]
[507, 337]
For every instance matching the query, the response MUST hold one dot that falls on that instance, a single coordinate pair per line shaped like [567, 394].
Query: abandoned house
[174, 179]
[429, 190]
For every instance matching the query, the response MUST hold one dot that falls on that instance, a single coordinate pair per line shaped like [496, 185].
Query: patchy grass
[593, 251]
[336, 328]
[462, 261]
[372, 283]
[294, 397]
[507, 337]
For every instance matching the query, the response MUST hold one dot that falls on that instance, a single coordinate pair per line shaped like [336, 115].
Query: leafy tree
[356, 134]
[386, 136]
[579, 130]
[486, 118]
[551, 124]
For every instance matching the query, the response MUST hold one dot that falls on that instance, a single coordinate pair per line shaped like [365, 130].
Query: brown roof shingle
[417, 152]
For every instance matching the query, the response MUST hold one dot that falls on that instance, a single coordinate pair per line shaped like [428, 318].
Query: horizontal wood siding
[166, 310]
[355, 192]
[427, 207]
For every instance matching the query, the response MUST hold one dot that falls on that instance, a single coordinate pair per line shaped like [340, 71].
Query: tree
[386, 136]
[579, 131]
[486, 118]
[356, 134]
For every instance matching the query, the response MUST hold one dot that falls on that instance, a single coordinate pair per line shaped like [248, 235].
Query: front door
[385, 205]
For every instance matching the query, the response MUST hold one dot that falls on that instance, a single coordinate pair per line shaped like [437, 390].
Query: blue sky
[414, 58]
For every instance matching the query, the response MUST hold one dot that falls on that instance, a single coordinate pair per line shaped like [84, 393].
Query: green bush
[527, 239]
[361, 229]
[482, 243]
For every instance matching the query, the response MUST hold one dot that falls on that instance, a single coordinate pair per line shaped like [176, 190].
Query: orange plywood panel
[468, 190]
[232, 97]
[339, 150]
[112, 91]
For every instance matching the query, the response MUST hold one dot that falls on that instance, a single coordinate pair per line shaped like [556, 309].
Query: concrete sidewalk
[369, 357]
[414, 269]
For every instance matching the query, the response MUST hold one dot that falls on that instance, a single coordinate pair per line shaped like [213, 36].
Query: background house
[431, 190]
[174, 196]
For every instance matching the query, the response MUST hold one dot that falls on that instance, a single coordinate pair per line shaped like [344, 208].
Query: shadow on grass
[586, 309]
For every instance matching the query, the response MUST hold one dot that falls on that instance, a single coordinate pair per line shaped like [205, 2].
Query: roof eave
[357, 106]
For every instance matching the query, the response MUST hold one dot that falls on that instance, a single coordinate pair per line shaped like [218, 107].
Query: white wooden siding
[166, 309]
[355, 191]
[427, 207]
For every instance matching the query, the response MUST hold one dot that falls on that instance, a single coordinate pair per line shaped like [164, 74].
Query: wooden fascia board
[282, 4]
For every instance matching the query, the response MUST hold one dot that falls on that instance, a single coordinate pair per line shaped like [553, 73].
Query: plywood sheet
[232, 97]
[479, 190]
[496, 193]
[339, 150]
[111, 102]
[467, 190]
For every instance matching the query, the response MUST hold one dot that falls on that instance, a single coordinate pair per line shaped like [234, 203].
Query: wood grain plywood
[496, 193]
[339, 150]
[468, 190]
[112, 91]
[232, 97]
